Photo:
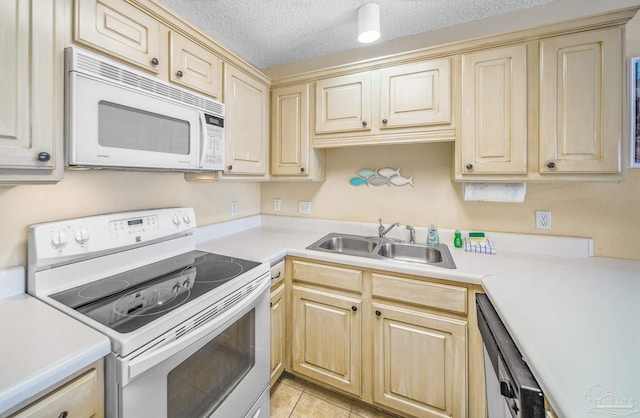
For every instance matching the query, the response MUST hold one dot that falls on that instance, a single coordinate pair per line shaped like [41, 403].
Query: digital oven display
[134, 222]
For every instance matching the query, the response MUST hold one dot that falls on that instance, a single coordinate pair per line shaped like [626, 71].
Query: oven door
[220, 370]
[109, 125]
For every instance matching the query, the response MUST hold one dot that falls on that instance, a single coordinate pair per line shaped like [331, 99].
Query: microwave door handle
[158, 354]
[203, 139]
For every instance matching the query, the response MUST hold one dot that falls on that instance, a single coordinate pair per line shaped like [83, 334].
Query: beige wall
[608, 213]
[84, 193]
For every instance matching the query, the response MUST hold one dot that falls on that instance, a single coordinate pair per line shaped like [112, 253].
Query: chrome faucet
[412, 234]
[381, 229]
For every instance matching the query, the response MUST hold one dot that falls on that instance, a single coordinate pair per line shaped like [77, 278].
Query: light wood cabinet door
[290, 134]
[343, 103]
[580, 102]
[81, 398]
[326, 337]
[247, 123]
[32, 97]
[119, 29]
[415, 94]
[419, 362]
[193, 66]
[493, 131]
[278, 309]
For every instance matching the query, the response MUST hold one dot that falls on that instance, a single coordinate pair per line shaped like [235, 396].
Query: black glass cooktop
[130, 300]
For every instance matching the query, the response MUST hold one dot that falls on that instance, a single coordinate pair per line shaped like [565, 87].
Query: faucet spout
[382, 231]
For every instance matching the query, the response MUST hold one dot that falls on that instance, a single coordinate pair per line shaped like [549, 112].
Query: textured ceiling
[273, 32]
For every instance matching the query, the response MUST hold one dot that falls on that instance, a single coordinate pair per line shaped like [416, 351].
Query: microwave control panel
[214, 157]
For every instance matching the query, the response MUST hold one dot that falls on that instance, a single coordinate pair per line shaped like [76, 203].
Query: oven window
[198, 385]
[129, 128]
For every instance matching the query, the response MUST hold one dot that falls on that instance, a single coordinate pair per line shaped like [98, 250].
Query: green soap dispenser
[457, 240]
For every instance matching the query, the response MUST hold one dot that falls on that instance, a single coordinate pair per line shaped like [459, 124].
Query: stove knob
[59, 239]
[176, 220]
[186, 218]
[176, 288]
[186, 284]
[82, 235]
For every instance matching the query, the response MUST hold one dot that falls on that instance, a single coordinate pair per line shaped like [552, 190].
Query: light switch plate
[277, 204]
[234, 208]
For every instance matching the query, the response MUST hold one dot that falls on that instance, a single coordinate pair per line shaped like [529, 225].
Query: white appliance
[189, 329]
[118, 117]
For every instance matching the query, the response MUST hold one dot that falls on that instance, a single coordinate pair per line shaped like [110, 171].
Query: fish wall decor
[386, 176]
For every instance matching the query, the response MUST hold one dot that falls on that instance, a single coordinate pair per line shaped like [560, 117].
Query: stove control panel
[55, 242]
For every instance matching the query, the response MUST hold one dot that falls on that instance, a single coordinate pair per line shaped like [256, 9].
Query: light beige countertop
[40, 346]
[573, 316]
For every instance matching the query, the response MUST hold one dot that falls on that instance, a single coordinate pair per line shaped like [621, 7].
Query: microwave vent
[90, 65]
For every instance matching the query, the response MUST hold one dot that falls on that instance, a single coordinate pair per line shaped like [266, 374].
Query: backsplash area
[602, 211]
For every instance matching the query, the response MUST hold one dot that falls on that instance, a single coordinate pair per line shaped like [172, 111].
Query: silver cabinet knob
[364, 123]
[551, 165]
[469, 166]
[179, 74]
[44, 157]
[154, 61]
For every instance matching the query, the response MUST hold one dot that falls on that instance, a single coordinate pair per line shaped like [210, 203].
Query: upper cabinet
[118, 29]
[397, 104]
[549, 109]
[246, 124]
[493, 127]
[32, 98]
[581, 103]
[292, 157]
[193, 66]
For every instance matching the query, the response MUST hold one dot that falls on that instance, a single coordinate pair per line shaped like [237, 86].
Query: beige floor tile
[283, 399]
[359, 409]
[292, 380]
[329, 395]
[310, 406]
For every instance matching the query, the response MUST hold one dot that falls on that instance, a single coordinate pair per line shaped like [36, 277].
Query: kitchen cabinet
[493, 127]
[81, 397]
[246, 125]
[127, 33]
[291, 154]
[581, 102]
[399, 103]
[278, 310]
[31, 104]
[118, 29]
[411, 343]
[194, 67]
[327, 326]
[559, 102]
[419, 357]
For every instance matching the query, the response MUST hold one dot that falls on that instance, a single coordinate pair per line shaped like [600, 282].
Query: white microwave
[120, 118]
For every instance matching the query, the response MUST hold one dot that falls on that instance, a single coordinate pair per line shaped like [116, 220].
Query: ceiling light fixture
[368, 23]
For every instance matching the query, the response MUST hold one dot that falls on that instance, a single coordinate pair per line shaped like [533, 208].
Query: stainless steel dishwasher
[512, 391]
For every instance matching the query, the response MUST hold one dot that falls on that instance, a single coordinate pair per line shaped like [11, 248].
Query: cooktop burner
[130, 300]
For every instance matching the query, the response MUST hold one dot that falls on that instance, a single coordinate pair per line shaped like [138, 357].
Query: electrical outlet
[543, 219]
[277, 205]
[304, 207]
[234, 208]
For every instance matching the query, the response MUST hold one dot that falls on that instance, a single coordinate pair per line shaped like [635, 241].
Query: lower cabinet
[406, 344]
[278, 305]
[419, 362]
[81, 397]
[327, 335]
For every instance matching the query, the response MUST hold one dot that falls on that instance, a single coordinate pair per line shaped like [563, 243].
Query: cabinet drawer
[277, 272]
[435, 295]
[78, 398]
[332, 276]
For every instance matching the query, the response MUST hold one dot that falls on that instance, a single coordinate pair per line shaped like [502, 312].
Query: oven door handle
[161, 352]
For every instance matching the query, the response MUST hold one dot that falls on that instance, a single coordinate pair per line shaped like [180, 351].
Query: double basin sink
[385, 249]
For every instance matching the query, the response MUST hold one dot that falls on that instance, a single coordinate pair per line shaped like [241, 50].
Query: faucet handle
[380, 221]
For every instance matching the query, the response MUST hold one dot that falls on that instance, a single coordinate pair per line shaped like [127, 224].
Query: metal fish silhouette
[401, 181]
[378, 181]
[358, 181]
[388, 172]
[366, 173]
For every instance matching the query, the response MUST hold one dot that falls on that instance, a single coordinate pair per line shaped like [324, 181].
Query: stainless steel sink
[385, 249]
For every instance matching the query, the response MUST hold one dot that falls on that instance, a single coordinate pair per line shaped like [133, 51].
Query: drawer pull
[354, 308]
[276, 276]
[378, 313]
